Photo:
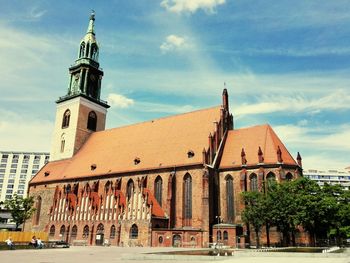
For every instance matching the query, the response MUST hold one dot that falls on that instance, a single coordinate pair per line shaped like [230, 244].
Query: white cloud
[179, 6]
[119, 101]
[333, 138]
[35, 13]
[20, 132]
[172, 43]
[164, 108]
[338, 100]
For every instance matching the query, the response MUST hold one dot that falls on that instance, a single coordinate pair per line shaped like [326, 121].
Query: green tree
[254, 212]
[282, 210]
[20, 208]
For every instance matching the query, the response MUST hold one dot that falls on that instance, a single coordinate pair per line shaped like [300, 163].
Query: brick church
[173, 181]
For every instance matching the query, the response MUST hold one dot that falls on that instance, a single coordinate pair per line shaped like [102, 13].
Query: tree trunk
[268, 234]
[257, 238]
[293, 238]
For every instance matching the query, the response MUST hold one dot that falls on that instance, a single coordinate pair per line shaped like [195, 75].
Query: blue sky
[286, 63]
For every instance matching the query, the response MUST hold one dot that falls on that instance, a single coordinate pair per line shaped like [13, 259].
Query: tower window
[66, 118]
[63, 142]
[92, 121]
[82, 50]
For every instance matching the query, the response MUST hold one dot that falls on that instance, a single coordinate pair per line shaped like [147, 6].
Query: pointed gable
[250, 139]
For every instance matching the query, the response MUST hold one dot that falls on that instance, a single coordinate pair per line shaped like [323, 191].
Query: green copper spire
[91, 23]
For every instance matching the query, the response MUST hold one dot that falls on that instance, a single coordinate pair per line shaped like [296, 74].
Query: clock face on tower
[93, 77]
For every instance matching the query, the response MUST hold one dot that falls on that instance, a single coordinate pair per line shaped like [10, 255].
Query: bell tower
[81, 111]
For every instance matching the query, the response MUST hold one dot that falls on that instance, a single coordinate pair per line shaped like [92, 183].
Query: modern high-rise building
[16, 169]
[333, 177]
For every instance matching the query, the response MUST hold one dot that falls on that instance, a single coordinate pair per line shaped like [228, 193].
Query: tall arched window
[134, 232]
[65, 119]
[225, 235]
[289, 177]
[130, 188]
[62, 232]
[63, 142]
[187, 197]
[74, 232]
[37, 210]
[100, 229]
[92, 121]
[229, 198]
[271, 179]
[52, 231]
[82, 49]
[253, 182]
[86, 232]
[112, 233]
[158, 188]
[87, 50]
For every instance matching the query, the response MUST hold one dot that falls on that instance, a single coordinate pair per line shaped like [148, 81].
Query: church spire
[91, 23]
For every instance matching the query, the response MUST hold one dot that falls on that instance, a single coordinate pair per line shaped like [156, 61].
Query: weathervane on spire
[92, 16]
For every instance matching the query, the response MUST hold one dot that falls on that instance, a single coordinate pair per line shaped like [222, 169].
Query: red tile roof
[158, 143]
[250, 139]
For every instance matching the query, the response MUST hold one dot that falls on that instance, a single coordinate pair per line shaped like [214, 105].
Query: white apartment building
[341, 177]
[16, 169]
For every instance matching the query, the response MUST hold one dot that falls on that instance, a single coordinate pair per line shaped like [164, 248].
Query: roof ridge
[161, 118]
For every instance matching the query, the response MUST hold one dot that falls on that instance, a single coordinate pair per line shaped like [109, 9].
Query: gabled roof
[250, 139]
[159, 143]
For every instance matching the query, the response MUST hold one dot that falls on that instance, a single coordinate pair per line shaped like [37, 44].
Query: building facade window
[73, 236]
[218, 235]
[289, 177]
[187, 196]
[92, 121]
[134, 232]
[86, 232]
[113, 232]
[66, 119]
[130, 188]
[52, 231]
[229, 198]
[158, 188]
[271, 179]
[253, 182]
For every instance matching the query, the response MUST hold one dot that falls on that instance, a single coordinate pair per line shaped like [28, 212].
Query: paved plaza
[135, 255]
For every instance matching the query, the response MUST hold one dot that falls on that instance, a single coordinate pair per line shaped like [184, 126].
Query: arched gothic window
[92, 121]
[158, 188]
[100, 229]
[74, 232]
[134, 232]
[82, 49]
[86, 232]
[229, 198]
[63, 142]
[37, 210]
[68, 189]
[271, 179]
[225, 235]
[52, 231]
[130, 188]
[187, 197]
[62, 232]
[65, 119]
[87, 50]
[112, 234]
[253, 182]
[289, 177]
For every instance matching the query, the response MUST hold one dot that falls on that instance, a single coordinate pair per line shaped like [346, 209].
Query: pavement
[135, 255]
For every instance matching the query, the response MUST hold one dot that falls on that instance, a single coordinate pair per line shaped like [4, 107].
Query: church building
[172, 181]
